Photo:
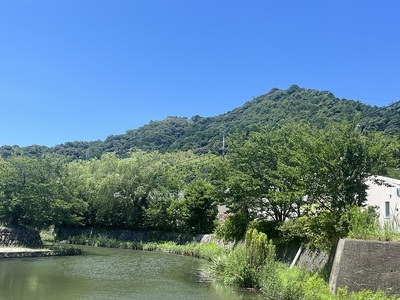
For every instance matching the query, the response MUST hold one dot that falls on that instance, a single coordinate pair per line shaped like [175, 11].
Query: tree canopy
[296, 105]
[298, 158]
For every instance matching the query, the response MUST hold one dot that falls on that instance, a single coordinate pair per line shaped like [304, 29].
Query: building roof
[391, 181]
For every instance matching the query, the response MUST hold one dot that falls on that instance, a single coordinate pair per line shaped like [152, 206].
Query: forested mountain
[294, 105]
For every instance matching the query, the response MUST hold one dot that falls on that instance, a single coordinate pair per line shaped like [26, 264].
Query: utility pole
[223, 143]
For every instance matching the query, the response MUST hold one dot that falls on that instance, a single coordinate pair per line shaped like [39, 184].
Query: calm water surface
[102, 273]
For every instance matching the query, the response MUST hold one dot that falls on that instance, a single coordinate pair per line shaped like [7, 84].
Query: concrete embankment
[372, 265]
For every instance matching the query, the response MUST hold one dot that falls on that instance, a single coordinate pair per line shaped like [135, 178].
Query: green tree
[198, 207]
[187, 202]
[251, 160]
[132, 192]
[339, 162]
[265, 178]
[119, 189]
[34, 193]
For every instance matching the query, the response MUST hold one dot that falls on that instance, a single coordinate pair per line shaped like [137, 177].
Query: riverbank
[123, 235]
[104, 273]
[20, 252]
[208, 250]
[276, 281]
[196, 245]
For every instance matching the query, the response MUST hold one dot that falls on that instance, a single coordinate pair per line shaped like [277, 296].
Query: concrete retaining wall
[132, 235]
[315, 260]
[310, 260]
[369, 265]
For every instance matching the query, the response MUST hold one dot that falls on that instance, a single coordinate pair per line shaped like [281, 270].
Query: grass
[206, 250]
[365, 225]
[278, 281]
[275, 280]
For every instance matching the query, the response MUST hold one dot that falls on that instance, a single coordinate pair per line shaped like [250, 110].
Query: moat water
[103, 273]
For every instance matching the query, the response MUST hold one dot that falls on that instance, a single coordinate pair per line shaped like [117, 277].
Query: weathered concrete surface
[372, 265]
[314, 260]
[309, 259]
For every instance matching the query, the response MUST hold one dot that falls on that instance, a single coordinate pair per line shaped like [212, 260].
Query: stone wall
[131, 235]
[372, 265]
[19, 236]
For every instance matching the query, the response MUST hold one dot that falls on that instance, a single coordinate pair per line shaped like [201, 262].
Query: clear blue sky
[86, 69]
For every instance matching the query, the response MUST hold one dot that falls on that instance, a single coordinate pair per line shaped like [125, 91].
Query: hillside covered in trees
[204, 134]
[296, 159]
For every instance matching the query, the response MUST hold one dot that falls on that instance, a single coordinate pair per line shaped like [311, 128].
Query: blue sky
[86, 69]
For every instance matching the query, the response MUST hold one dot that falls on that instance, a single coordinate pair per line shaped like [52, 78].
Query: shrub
[364, 224]
[343, 294]
[321, 231]
[246, 264]
[233, 228]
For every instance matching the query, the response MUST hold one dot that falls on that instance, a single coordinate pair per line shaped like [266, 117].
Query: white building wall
[386, 197]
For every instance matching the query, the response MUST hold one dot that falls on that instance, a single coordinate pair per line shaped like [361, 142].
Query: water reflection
[102, 273]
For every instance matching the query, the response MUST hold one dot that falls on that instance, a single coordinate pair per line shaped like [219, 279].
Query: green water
[102, 273]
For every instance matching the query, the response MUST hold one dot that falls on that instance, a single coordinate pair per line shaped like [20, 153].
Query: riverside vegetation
[295, 182]
[251, 265]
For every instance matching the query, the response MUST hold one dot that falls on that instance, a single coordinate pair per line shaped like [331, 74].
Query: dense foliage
[297, 157]
[253, 265]
[300, 178]
[38, 192]
[147, 190]
[203, 134]
[294, 182]
[303, 178]
[246, 265]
